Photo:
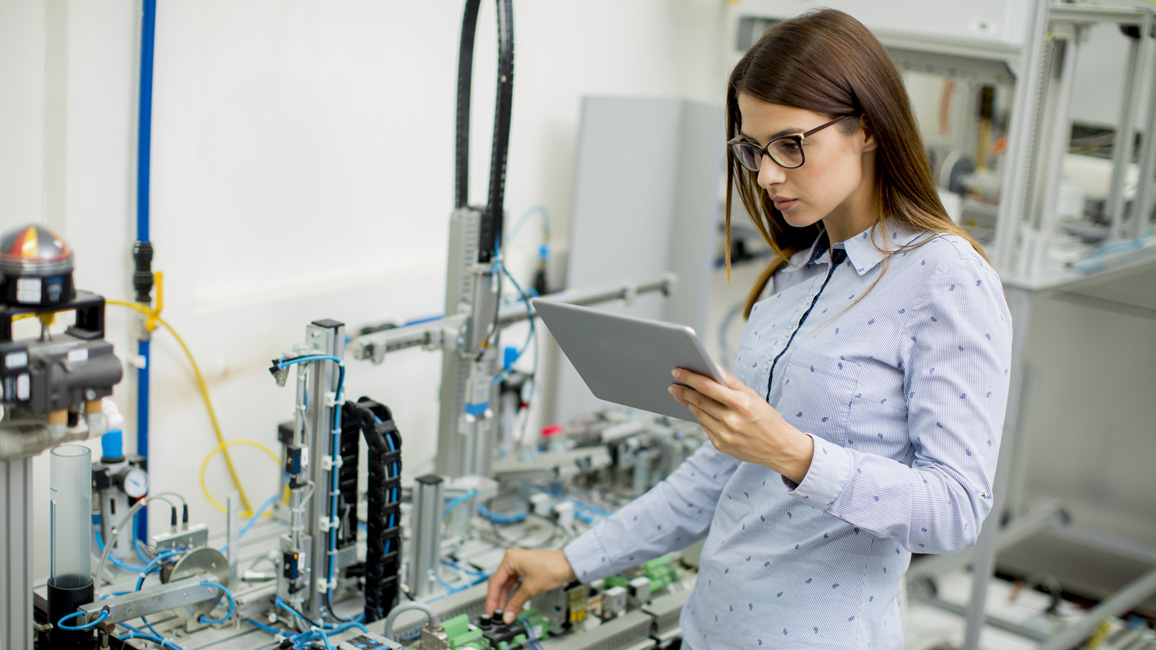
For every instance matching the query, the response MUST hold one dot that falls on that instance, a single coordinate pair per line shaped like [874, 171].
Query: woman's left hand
[741, 423]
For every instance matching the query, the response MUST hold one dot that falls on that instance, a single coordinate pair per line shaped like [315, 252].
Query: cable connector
[331, 399]
[327, 525]
[328, 463]
[324, 586]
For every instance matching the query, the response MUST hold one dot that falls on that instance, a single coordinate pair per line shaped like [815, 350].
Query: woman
[863, 418]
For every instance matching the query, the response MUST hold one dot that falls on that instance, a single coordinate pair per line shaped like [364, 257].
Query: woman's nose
[770, 173]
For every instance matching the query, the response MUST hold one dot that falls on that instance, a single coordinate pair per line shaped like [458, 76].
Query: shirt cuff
[587, 557]
[830, 470]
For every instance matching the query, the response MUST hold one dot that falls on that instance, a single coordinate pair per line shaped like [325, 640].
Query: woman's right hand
[533, 572]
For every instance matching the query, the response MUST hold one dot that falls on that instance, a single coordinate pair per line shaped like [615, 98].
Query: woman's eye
[788, 146]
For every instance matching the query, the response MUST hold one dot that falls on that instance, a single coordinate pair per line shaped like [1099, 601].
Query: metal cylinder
[16, 554]
[428, 499]
[70, 484]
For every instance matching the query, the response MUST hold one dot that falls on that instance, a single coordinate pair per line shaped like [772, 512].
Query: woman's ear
[869, 142]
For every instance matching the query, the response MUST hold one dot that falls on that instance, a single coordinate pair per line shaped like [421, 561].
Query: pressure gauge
[135, 482]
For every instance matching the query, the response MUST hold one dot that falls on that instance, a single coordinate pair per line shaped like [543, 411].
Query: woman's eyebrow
[787, 131]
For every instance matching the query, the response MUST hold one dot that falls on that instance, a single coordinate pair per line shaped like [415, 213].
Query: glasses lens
[747, 155]
[788, 152]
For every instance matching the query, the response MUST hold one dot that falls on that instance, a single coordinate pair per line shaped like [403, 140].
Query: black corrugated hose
[465, 76]
[384, 462]
[491, 226]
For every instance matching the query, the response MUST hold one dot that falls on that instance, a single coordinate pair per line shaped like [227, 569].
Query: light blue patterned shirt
[902, 387]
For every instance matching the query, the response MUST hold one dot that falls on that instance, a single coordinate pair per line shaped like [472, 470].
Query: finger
[688, 396]
[704, 385]
[519, 599]
[711, 424]
[499, 587]
[731, 381]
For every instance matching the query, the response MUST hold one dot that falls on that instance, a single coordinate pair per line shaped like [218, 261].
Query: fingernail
[670, 389]
[674, 373]
[508, 617]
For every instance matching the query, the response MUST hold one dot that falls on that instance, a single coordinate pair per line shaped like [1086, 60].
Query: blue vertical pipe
[144, 147]
[145, 121]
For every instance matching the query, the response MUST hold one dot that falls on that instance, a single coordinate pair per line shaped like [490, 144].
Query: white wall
[23, 39]
[302, 169]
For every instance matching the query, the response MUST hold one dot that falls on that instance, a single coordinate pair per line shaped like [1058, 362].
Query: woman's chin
[798, 218]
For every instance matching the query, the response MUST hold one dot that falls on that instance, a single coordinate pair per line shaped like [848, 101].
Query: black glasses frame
[736, 146]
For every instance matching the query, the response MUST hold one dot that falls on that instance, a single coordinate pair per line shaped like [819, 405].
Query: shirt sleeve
[672, 515]
[956, 353]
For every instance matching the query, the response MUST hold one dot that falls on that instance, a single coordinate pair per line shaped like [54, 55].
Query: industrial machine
[51, 389]
[346, 559]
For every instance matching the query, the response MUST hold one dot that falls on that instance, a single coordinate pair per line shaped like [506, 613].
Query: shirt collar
[863, 250]
[818, 253]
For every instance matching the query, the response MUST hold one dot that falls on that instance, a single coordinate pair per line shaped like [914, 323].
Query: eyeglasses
[786, 151]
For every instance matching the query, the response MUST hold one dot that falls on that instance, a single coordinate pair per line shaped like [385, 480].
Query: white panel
[1003, 21]
[645, 202]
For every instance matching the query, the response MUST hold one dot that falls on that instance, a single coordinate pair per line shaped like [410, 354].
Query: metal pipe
[443, 332]
[994, 621]
[1063, 61]
[16, 554]
[1120, 602]
[427, 527]
[1021, 134]
[1142, 205]
[1122, 151]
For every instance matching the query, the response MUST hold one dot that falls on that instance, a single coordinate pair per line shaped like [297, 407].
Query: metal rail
[445, 333]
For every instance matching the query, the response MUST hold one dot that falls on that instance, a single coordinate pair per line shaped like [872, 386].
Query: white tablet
[627, 360]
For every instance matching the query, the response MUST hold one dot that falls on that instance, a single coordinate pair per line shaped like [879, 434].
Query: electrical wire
[260, 511]
[463, 569]
[223, 450]
[153, 566]
[138, 545]
[529, 311]
[387, 628]
[226, 593]
[532, 641]
[335, 456]
[87, 626]
[459, 501]
[533, 379]
[134, 633]
[115, 560]
[537, 209]
[511, 543]
[115, 530]
[154, 319]
[501, 519]
[582, 505]
[261, 626]
[285, 606]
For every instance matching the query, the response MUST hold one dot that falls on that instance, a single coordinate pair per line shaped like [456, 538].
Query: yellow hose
[221, 448]
[151, 323]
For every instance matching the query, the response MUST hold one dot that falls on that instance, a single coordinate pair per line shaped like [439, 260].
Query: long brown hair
[827, 62]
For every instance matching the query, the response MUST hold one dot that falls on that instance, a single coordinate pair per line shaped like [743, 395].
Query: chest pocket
[817, 394]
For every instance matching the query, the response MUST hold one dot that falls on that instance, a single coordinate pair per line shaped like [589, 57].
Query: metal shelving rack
[1039, 63]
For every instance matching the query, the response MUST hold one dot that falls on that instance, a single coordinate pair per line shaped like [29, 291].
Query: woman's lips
[783, 204]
